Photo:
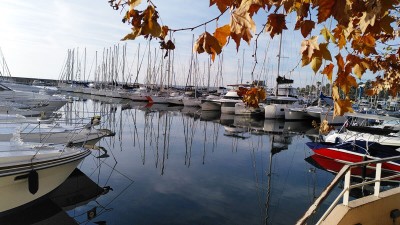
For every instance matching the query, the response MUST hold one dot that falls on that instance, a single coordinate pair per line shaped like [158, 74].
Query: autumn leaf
[327, 35]
[207, 43]
[324, 127]
[316, 63]
[342, 106]
[309, 46]
[222, 33]
[341, 10]
[326, 54]
[305, 26]
[241, 25]
[253, 96]
[164, 32]
[340, 62]
[358, 70]
[324, 9]
[276, 23]
[328, 70]
[131, 36]
[368, 17]
[222, 4]
[150, 24]
[345, 81]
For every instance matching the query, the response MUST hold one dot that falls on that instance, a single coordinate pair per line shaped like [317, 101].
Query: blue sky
[35, 37]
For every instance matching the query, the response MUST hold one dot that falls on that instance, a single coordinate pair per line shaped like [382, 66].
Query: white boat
[297, 113]
[275, 107]
[28, 171]
[35, 101]
[139, 94]
[175, 99]
[315, 111]
[242, 109]
[332, 120]
[211, 103]
[159, 98]
[383, 134]
[45, 131]
[191, 102]
[229, 100]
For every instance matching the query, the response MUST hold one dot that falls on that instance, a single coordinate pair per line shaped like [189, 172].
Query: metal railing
[345, 194]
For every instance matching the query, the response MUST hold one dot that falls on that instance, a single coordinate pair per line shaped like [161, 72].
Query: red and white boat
[357, 151]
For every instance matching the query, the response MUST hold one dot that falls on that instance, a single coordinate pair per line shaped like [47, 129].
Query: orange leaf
[150, 24]
[221, 34]
[253, 96]
[222, 4]
[328, 70]
[276, 23]
[207, 43]
[164, 32]
[340, 62]
[345, 81]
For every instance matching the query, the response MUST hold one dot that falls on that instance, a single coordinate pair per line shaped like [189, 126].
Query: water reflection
[193, 167]
[76, 191]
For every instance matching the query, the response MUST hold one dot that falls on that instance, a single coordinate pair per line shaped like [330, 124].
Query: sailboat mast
[279, 62]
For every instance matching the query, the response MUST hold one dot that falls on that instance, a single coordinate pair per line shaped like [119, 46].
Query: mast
[279, 62]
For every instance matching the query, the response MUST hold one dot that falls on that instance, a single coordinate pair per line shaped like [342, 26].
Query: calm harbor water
[174, 165]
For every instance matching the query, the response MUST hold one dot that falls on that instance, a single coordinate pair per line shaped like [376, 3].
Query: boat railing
[345, 173]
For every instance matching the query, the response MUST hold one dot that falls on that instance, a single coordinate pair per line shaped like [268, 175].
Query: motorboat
[47, 131]
[29, 171]
[242, 109]
[228, 101]
[211, 103]
[357, 151]
[35, 101]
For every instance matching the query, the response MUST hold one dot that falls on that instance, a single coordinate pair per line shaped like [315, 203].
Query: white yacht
[229, 100]
[285, 97]
[30, 171]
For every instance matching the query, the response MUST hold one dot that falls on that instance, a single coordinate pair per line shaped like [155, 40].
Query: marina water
[175, 165]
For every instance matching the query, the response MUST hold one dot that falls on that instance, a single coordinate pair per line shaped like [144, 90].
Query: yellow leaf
[316, 63]
[358, 70]
[342, 106]
[309, 46]
[326, 54]
[335, 92]
[327, 35]
[132, 36]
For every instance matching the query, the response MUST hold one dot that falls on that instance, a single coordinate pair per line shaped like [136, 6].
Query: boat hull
[14, 182]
